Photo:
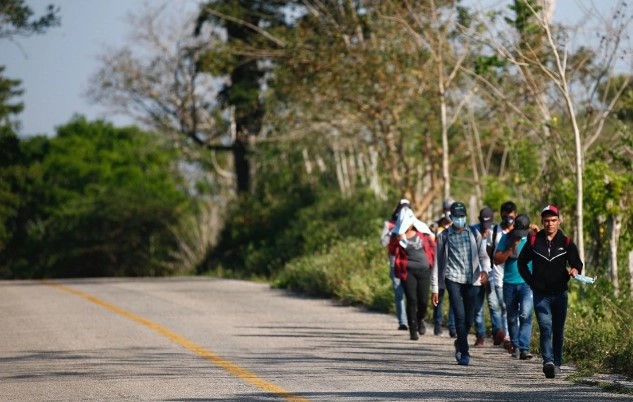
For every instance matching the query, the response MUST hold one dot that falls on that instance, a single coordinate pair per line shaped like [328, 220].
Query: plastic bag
[584, 279]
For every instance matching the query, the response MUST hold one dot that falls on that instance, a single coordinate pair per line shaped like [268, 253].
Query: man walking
[517, 295]
[550, 251]
[461, 260]
[496, 303]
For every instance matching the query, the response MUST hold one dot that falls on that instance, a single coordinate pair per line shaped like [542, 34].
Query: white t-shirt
[496, 278]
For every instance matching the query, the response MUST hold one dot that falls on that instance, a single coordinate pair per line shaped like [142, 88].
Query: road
[199, 339]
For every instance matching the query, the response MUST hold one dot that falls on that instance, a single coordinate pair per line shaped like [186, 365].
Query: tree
[94, 201]
[246, 23]
[556, 76]
[16, 19]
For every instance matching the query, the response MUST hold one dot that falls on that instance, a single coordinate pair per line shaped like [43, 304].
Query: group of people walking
[516, 266]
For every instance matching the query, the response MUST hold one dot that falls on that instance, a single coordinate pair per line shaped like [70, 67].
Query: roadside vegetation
[277, 137]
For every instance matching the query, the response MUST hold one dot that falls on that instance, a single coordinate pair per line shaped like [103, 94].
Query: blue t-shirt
[511, 268]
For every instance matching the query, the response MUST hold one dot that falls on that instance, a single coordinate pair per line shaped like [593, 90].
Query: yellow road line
[184, 342]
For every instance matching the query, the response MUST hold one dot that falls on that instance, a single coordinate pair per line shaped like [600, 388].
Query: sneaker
[549, 369]
[437, 330]
[499, 337]
[421, 328]
[515, 353]
[403, 327]
[525, 355]
[507, 345]
[414, 335]
[463, 360]
[479, 343]
[452, 333]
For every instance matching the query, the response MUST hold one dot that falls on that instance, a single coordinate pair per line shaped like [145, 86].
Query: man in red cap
[550, 252]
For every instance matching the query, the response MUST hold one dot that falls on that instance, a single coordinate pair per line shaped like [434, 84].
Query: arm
[441, 238]
[386, 234]
[484, 262]
[573, 259]
[503, 253]
[524, 259]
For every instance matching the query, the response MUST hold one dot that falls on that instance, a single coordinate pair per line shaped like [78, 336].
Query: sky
[55, 68]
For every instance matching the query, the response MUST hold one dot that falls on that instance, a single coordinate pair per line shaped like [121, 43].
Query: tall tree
[246, 24]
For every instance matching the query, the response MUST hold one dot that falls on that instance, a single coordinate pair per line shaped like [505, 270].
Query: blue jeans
[497, 311]
[437, 313]
[497, 308]
[518, 299]
[551, 312]
[463, 299]
[480, 296]
[398, 291]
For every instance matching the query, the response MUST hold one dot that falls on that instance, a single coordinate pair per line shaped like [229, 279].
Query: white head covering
[406, 218]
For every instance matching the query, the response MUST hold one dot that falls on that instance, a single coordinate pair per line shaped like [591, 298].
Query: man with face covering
[461, 260]
[496, 302]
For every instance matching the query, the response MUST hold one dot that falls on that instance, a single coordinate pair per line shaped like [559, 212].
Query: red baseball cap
[550, 210]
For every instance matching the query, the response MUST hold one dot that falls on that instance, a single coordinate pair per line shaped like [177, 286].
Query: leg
[503, 317]
[525, 317]
[480, 328]
[559, 315]
[452, 330]
[437, 310]
[512, 310]
[424, 285]
[398, 290]
[469, 296]
[543, 310]
[410, 285]
[457, 305]
[497, 309]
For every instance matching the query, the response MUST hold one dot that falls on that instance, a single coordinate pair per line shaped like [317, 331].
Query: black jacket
[549, 263]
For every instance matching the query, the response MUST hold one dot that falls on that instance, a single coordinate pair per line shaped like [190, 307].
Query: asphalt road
[198, 339]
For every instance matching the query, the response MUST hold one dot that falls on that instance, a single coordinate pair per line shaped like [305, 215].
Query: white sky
[55, 67]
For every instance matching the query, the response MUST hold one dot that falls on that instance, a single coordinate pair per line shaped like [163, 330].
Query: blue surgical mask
[459, 222]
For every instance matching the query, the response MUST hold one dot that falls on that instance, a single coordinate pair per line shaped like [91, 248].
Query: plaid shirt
[428, 244]
[458, 267]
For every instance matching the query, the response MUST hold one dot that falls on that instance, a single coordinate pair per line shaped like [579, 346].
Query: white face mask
[459, 222]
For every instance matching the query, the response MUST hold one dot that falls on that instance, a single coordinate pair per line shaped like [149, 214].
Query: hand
[483, 278]
[573, 272]
[435, 299]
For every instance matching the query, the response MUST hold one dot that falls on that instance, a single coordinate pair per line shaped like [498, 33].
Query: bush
[354, 271]
[261, 236]
[598, 330]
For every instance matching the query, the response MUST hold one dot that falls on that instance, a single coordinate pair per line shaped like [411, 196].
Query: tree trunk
[631, 273]
[614, 227]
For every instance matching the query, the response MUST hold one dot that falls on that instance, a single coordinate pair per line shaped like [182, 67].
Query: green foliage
[354, 271]
[597, 331]
[93, 201]
[17, 19]
[523, 21]
[261, 235]
[9, 89]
